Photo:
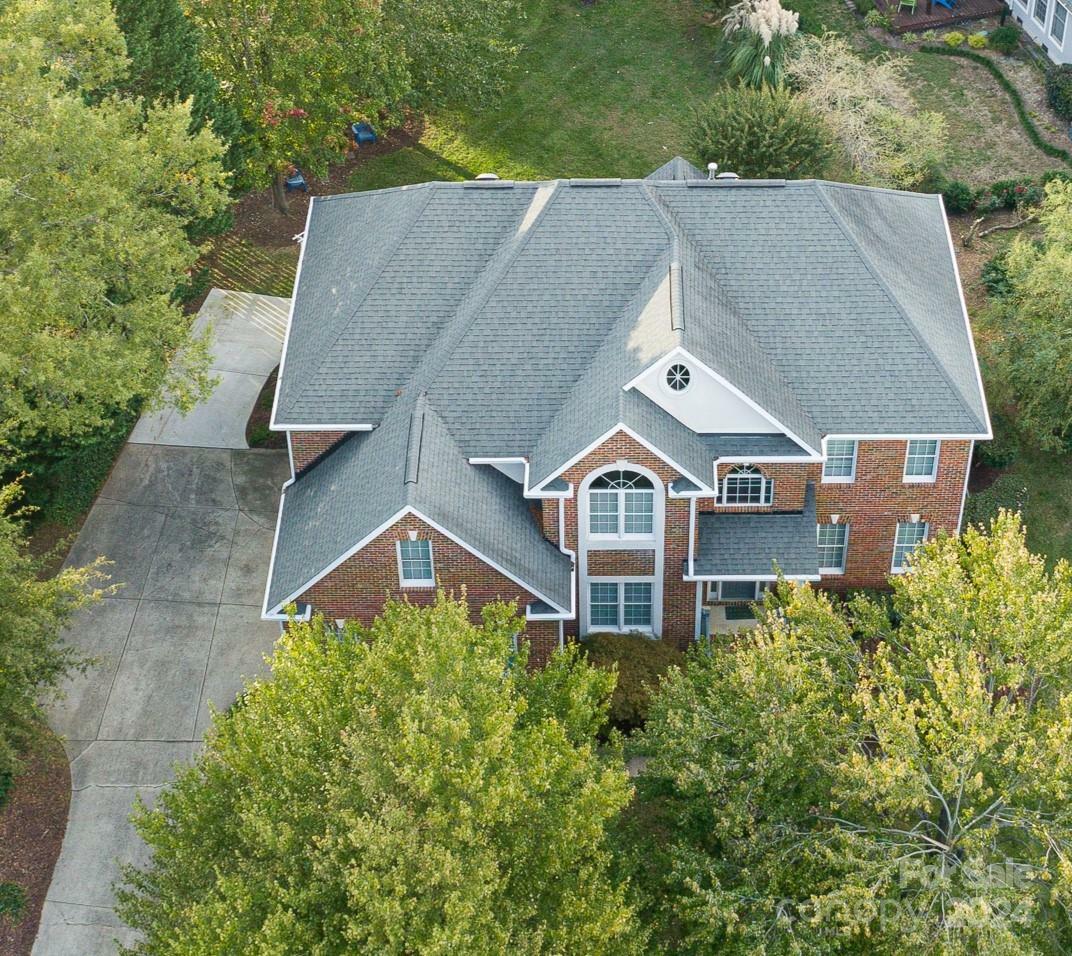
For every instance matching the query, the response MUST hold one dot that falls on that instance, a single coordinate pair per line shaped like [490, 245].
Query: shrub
[1008, 194]
[1059, 90]
[958, 196]
[875, 18]
[641, 662]
[762, 133]
[1003, 450]
[977, 41]
[995, 278]
[929, 36]
[1005, 39]
[864, 7]
[1008, 492]
[953, 38]
[7, 778]
[756, 34]
[12, 901]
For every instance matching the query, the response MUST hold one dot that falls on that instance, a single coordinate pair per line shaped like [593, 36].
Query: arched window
[746, 485]
[621, 504]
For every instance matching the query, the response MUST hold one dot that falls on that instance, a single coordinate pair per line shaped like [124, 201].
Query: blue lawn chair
[362, 133]
[296, 180]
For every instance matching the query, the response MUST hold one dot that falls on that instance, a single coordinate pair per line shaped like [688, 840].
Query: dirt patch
[982, 477]
[256, 219]
[32, 824]
[258, 434]
[970, 262]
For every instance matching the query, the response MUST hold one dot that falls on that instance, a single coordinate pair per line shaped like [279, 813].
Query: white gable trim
[272, 613]
[750, 577]
[606, 436]
[683, 353]
[273, 422]
[527, 491]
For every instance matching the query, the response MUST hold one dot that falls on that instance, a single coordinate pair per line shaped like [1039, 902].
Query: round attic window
[678, 377]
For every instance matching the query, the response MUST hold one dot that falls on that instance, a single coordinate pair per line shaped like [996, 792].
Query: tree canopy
[874, 779]
[299, 73]
[95, 198]
[406, 788]
[1028, 346]
[33, 611]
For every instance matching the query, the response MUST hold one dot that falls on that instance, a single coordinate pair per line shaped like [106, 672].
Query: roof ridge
[388, 255]
[869, 264]
[455, 328]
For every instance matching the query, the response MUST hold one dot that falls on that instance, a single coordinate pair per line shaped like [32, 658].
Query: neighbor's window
[840, 464]
[621, 504]
[746, 485]
[620, 605]
[1060, 18]
[921, 461]
[415, 564]
[910, 535]
[833, 541]
[1040, 11]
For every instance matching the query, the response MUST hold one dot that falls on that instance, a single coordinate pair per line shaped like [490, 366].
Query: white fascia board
[681, 352]
[318, 427]
[273, 424]
[527, 492]
[907, 436]
[265, 613]
[620, 427]
[331, 567]
[967, 322]
[750, 577]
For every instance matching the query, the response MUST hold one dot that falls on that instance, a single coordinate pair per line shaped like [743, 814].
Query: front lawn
[605, 89]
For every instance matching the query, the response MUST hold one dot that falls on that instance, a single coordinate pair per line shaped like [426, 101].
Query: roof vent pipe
[712, 168]
[484, 177]
[727, 176]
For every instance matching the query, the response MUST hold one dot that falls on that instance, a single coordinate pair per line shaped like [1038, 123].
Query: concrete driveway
[189, 531]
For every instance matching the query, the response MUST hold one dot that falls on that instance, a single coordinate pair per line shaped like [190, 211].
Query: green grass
[244, 267]
[600, 90]
[1048, 511]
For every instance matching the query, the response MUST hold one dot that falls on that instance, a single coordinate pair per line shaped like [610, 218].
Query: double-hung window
[620, 605]
[921, 460]
[621, 504]
[833, 542]
[1040, 11]
[840, 464]
[415, 564]
[1060, 20]
[910, 535]
[746, 485]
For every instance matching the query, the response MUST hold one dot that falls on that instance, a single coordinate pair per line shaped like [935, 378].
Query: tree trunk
[279, 193]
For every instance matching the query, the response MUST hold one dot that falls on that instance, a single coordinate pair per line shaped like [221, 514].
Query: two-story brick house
[621, 403]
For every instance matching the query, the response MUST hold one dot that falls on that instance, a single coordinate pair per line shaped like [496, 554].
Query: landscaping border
[1014, 94]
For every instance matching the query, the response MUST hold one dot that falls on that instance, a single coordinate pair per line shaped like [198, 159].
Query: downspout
[572, 555]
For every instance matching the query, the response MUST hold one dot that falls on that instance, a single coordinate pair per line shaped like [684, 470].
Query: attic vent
[727, 176]
[678, 377]
[484, 177]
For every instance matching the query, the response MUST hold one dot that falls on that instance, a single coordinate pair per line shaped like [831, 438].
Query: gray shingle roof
[410, 461]
[834, 307]
[751, 544]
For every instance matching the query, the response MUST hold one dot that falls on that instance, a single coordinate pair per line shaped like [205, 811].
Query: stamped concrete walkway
[189, 532]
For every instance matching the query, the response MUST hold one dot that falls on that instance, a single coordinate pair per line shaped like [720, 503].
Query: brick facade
[358, 588]
[306, 447]
[871, 505]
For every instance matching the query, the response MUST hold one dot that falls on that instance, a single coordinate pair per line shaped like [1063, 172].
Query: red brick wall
[306, 447]
[621, 562]
[358, 588]
[878, 498]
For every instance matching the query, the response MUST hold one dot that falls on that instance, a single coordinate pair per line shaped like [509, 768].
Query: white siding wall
[1041, 29]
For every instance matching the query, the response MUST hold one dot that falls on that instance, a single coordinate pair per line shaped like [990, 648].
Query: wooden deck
[939, 16]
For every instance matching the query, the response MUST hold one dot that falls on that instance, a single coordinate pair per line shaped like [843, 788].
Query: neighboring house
[1046, 22]
[618, 402]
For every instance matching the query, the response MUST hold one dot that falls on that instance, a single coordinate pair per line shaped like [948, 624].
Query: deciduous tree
[95, 198]
[406, 788]
[872, 779]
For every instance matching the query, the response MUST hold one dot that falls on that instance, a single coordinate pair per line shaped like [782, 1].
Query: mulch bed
[257, 434]
[256, 219]
[32, 824]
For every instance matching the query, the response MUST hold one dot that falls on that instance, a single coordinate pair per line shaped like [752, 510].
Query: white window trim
[762, 585]
[1046, 13]
[403, 581]
[1060, 44]
[622, 627]
[843, 479]
[844, 550]
[768, 491]
[622, 534]
[900, 569]
[922, 479]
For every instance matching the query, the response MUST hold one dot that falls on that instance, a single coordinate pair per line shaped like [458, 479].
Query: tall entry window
[621, 504]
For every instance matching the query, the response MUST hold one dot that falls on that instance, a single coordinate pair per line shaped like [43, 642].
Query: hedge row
[1017, 101]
